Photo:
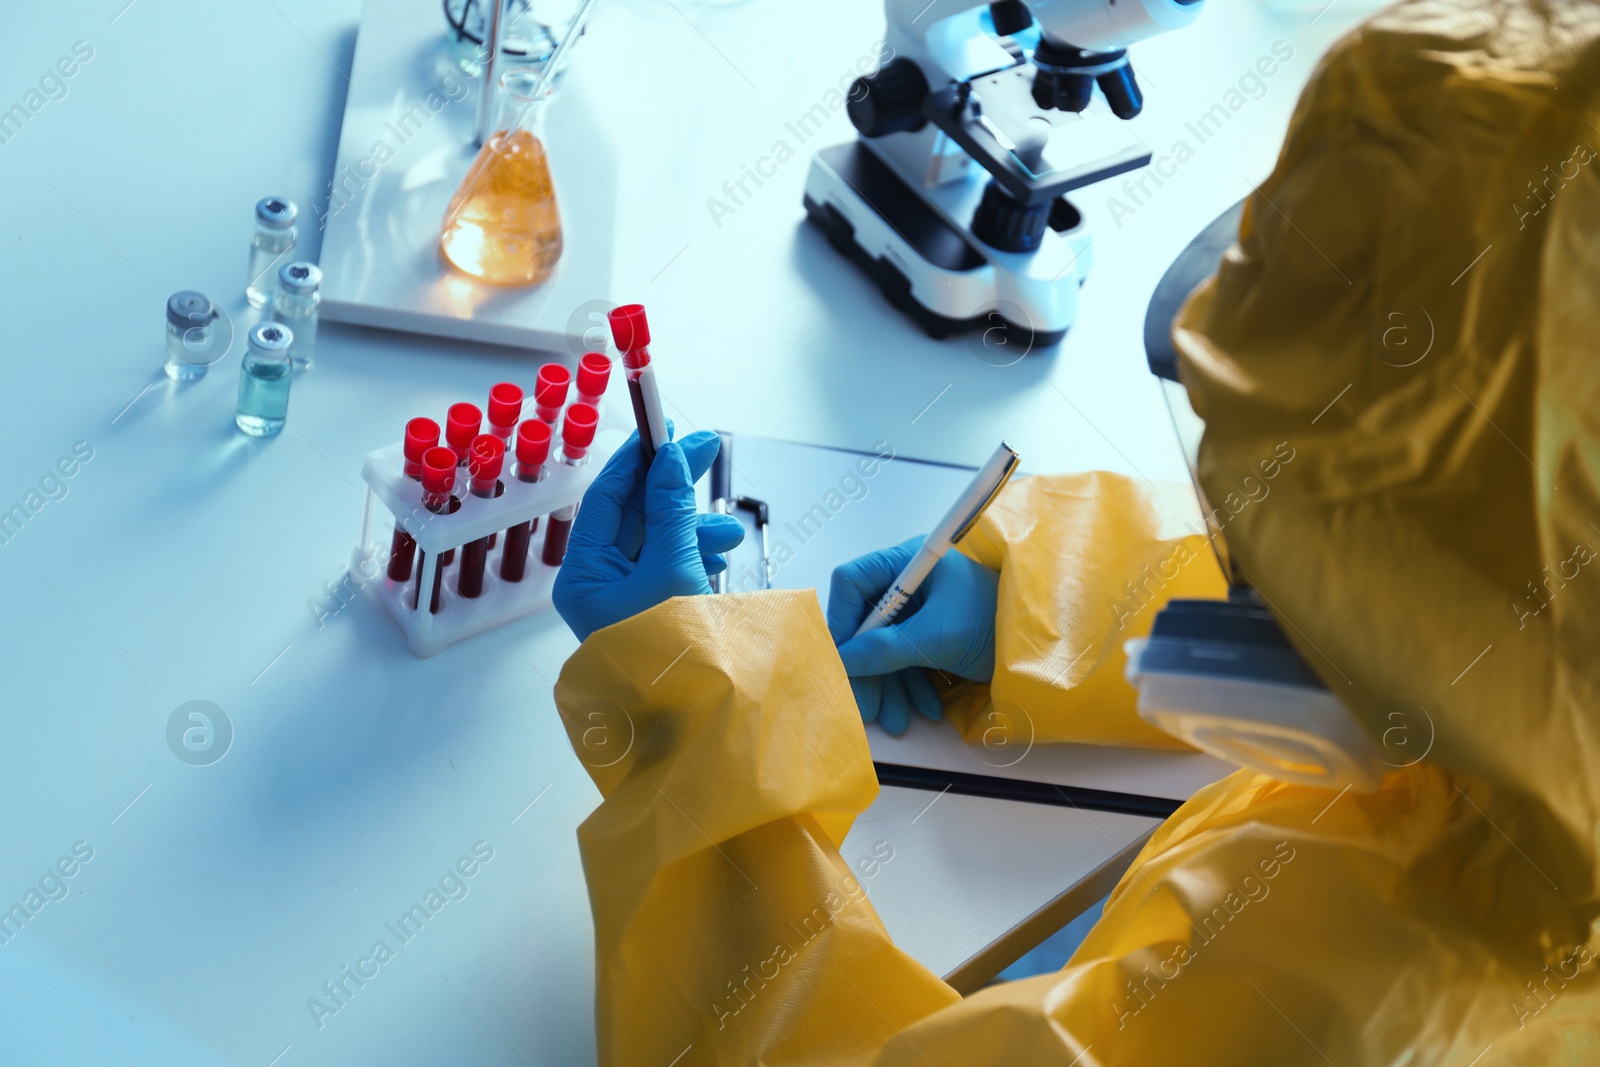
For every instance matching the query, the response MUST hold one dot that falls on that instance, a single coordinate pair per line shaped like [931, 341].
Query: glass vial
[295, 306]
[502, 226]
[191, 336]
[270, 247]
[264, 379]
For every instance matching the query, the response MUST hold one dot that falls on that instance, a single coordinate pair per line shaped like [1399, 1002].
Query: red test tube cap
[533, 444]
[462, 425]
[550, 390]
[421, 435]
[486, 458]
[628, 327]
[594, 371]
[505, 404]
[577, 432]
[438, 471]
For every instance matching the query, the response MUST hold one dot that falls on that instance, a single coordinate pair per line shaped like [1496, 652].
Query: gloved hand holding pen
[638, 540]
[948, 626]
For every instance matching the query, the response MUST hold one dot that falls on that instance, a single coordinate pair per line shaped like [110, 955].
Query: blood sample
[461, 426]
[488, 456]
[533, 448]
[438, 478]
[594, 371]
[632, 334]
[577, 434]
[421, 435]
[505, 408]
[550, 392]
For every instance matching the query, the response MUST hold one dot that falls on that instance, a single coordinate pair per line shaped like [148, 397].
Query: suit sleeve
[723, 737]
[1086, 561]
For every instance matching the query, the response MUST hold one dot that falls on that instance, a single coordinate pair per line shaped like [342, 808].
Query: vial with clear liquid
[191, 336]
[295, 306]
[269, 247]
[264, 379]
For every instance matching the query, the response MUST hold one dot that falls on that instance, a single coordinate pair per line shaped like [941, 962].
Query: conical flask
[503, 226]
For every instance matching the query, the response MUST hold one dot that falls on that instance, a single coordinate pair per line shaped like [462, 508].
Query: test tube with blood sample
[550, 392]
[488, 456]
[631, 332]
[421, 435]
[505, 408]
[577, 434]
[438, 478]
[533, 448]
[594, 371]
[462, 424]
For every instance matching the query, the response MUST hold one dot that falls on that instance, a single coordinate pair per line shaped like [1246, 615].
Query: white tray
[380, 259]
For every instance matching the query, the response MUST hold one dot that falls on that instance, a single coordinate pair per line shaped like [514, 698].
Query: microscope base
[931, 267]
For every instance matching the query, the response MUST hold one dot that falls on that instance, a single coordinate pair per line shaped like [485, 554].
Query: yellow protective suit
[1427, 547]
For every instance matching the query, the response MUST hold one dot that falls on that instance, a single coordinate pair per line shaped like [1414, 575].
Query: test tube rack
[428, 632]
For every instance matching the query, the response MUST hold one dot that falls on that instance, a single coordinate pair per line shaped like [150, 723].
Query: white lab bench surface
[970, 883]
[207, 905]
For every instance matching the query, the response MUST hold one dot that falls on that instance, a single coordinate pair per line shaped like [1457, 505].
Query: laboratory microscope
[1009, 86]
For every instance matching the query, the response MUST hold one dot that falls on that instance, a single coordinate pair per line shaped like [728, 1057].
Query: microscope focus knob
[888, 101]
[1004, 222]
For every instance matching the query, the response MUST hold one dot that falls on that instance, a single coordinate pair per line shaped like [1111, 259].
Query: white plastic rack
[430, 632]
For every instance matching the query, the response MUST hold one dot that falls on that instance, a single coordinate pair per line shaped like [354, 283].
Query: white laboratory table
[207, 905]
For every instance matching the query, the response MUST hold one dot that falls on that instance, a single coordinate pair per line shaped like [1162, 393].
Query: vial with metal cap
[191, 336]
[269, 247]
[264, 379]
[295, 306]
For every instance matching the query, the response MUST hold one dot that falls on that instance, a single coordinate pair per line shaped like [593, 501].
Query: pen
[961, 517]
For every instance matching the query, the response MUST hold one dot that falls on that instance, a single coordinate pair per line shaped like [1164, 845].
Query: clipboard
[829, 505]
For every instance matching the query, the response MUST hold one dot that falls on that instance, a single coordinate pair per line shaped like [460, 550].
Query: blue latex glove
[948, 627]
[638, 540]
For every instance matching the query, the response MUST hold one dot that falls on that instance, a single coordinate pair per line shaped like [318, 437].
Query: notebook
[826, 506]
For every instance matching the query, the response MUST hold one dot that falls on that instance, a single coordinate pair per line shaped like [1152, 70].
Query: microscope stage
[1035, 155]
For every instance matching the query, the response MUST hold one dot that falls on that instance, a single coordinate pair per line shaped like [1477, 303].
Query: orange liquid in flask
[502, 226]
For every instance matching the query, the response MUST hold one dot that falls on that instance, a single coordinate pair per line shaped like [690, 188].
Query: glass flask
[502, 226]
[269, 246]
[264, 379]
[529, 36]
[295, 306]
